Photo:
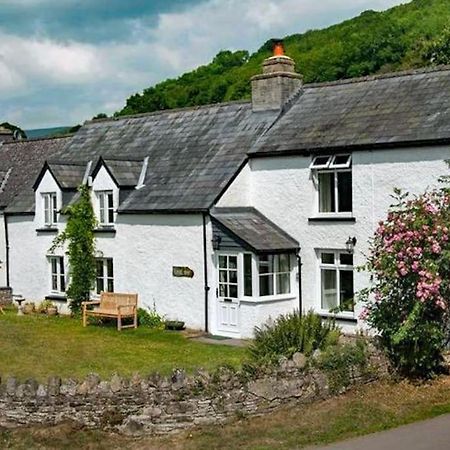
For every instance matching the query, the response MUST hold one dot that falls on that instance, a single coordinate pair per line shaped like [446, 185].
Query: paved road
[431, 434]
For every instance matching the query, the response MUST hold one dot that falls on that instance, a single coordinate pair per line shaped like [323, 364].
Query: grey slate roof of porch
[255, 229]
[25, 159]
[390, 110]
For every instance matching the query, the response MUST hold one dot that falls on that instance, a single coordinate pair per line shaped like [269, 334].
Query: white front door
[228, 293]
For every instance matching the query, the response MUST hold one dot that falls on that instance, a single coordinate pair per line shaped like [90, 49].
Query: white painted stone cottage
[226, 215]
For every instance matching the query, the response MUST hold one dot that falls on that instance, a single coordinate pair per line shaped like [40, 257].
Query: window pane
[63, 283]
[326, 192]
[346, 294]
[233, 291]
[110, 268]
[345, 191]
[341, 160]
[100, 286]
[54, 282]
[223, 276]
[54, 266]
[263, 264]
[284, 283]
[248, 288]
[222, 290]
[284, 263]
[233, 276]
[346, 259]
[329, 289]
[327, 258]
[222, 262]
[232, 262]
[110, 285]
[100, 268]
[320, 161]
[265, 285]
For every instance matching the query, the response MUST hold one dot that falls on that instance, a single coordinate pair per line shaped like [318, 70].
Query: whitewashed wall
[282, 189]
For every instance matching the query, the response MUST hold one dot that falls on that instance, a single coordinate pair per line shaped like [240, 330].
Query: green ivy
[79, 236]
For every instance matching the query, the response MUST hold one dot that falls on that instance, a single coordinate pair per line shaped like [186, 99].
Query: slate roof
[126, 173]
[23, 160]
[193, 153]
[406, 108]
[255, 229]
[68, 176]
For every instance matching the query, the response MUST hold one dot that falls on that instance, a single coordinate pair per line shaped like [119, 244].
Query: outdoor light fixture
[350, 244]
[216, 242]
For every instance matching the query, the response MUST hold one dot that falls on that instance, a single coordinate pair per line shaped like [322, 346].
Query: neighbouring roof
[254, 229]
[21, 162]
[397, 109]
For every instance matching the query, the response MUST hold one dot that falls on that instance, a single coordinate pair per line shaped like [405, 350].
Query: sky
[63, 61]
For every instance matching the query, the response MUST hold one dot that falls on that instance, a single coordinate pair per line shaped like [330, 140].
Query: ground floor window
[105, 275]
[274, 275]
[58, 277]
[336, 281]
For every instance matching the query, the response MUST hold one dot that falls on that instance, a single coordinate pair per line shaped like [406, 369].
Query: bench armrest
[93, 302]
[120, 307]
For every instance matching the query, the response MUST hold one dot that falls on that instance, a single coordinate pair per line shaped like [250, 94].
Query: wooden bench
[113, 305]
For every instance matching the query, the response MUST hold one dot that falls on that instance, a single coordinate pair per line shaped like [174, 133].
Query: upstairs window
[334, 183]
[105, 275]
[58, 277]
[274, 275]
[106, 207]
[50, 209]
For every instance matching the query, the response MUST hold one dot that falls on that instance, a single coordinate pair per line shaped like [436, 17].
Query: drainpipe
[205, 272]
[300, 301]
[5, 219]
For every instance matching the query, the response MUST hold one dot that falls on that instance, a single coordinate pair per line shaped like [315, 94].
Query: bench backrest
[111, 300]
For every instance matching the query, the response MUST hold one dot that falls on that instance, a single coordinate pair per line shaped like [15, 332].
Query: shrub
[343, 361]
[150, 318]
[410, 264]
[289, 334]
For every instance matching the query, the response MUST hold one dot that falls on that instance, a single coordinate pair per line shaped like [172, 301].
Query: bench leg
[119, 322]
[84, 317]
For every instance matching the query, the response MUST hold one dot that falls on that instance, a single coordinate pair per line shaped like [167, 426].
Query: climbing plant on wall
[80, 240]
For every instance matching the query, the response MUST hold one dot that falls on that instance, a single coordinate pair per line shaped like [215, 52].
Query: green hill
[374, 42]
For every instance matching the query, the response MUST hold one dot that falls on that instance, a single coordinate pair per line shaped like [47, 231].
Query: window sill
[56, 297]
[332, 218]
[268, 299]
[339, 317]
[105, 229]
[47, 230]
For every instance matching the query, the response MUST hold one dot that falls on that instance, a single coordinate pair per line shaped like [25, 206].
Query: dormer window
[106, 207]
[50, 209]
[333, 176]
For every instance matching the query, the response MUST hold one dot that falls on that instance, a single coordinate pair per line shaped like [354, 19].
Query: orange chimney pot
[278, 49]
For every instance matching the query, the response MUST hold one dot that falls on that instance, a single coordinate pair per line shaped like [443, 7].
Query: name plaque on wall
[185, 272]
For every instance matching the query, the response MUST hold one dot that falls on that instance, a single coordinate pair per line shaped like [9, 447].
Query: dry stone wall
[159, 405]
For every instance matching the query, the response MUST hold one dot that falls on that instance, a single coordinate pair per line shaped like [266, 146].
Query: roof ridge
[50, 138]
[167, 111]
[382, 76]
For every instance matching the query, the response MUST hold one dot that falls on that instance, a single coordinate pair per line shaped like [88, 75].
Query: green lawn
[39, 346]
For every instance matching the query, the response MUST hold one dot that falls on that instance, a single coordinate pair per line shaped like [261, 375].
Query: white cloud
[100, 77]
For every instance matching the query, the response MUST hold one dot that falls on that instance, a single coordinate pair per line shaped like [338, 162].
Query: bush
[343, 361]
[410, 263]
[289, 334]
[150, 318]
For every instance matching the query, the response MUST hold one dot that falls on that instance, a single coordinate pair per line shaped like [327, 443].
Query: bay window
[333, 177]
[274, 275]
[336, 281]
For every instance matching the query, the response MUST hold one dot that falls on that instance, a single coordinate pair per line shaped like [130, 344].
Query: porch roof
[254, 230]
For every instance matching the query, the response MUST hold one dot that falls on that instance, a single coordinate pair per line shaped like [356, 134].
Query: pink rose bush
[408, 302]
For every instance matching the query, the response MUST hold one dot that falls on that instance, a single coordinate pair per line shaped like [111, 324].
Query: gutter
[205, 273]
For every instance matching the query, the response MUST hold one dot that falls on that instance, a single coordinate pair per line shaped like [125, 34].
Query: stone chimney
[277, 83]
[6, 135]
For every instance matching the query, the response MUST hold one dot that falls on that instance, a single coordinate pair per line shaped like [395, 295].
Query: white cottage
[226, 215]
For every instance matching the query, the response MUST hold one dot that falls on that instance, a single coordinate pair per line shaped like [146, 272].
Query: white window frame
[106, 205]
[50, 207]
[331, 167]
[338, 267]
[106, 277]
[58, 276]
[274, 275]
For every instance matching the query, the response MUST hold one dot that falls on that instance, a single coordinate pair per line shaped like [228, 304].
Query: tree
[408, 303]
[438, 51]
[79, 236]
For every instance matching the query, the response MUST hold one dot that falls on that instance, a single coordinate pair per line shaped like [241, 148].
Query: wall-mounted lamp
[350, 244]
[216, 240]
